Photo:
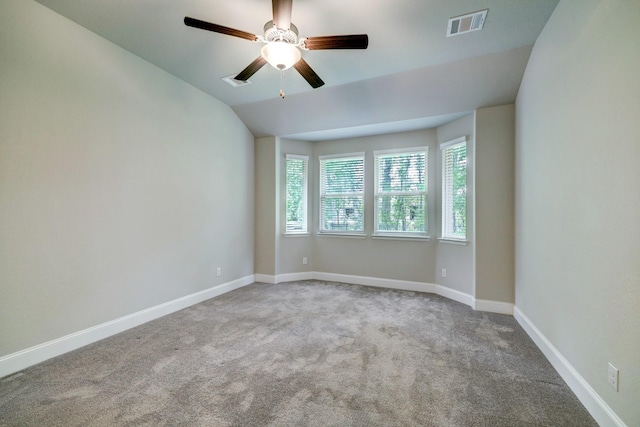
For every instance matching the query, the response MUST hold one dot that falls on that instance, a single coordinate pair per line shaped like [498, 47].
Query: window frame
[377, 194]
[304, 229]
[445, 195]
[322, 196]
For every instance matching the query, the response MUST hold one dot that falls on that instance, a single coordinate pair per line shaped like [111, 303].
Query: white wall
[578, 195]
[121, 187]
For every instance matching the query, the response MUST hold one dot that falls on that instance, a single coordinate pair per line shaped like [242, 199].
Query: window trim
[455, 141]
[445, 238]
[342, 156]
[419, 235]
[305, 196]
[451, 241]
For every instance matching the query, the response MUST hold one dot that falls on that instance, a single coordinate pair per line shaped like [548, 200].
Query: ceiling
[411, 76]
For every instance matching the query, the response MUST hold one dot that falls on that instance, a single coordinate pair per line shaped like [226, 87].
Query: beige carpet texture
[306, 353]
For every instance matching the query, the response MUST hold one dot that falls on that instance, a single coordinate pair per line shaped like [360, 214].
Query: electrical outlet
[304, 260]
[219, 272]
[613, 376]
[444, 272]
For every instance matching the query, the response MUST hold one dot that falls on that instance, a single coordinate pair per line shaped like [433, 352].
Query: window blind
[342, 194]
[454, 189]
[401, 191]
[296, 194]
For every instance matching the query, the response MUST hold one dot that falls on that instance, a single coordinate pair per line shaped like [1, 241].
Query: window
[342, 193]
[296, 188]
[454, 189]
[401, 191]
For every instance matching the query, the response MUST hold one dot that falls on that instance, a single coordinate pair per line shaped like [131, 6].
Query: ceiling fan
[281, 43]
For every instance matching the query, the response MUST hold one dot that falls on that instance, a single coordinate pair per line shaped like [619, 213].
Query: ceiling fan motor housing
[273, 33]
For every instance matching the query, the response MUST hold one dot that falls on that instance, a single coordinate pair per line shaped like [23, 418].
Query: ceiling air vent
[235, 83]
[466, 23]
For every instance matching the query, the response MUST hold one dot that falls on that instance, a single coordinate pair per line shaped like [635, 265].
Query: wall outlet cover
[613, 376]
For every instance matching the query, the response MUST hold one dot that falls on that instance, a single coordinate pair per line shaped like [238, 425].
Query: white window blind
[296, 194]
[454, 189]
[401, 191]
[342, 193]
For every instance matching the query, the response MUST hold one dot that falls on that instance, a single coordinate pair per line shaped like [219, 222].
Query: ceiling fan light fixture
[281, 55]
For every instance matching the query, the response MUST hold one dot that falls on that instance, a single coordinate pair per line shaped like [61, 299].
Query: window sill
[415, 237]
[460, 242]
[297, 234]
[348, 235]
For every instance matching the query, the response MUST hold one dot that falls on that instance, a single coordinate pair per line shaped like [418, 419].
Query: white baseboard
[452, 294]
[406, 285]
[288, 277]
[481, 305]
[292, 277]
[455, 295]
[597, 407]
[265, 278]
[494, 306]
[376, 282]
[22, 359]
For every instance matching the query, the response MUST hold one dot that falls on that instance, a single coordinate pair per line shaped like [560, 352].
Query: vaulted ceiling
[412, 75]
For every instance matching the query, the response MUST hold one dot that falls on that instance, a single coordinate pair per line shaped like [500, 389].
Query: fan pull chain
[282, 84]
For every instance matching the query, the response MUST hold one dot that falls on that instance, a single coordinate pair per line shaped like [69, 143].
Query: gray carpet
[302, 354]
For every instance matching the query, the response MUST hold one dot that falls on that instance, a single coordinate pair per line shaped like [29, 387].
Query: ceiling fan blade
[203, 25]
[309, 75]
[282, 13]
[354, 41]
[251, 69]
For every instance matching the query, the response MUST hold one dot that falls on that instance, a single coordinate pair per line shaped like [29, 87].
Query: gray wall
[577, 198]
[276, 253]
[495, 199]
[267, 170]
[458, 260]
[293, 248]
[412, 260]
[279, 254]
[121, 187]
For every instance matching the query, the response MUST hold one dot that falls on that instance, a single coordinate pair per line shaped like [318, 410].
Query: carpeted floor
[302, 354]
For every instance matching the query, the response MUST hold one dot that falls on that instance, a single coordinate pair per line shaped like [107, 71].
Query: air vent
[235, 83]
[466, 23]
